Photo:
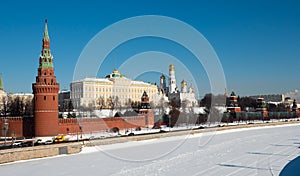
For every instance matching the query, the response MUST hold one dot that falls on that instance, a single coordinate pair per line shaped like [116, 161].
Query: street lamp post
[5, 128]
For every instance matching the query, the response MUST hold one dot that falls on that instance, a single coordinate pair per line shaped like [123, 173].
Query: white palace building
[113, 88]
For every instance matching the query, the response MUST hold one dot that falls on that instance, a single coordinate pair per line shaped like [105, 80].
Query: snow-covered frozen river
[256, 151]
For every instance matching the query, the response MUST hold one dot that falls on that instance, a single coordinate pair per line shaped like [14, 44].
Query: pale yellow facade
[114, 88]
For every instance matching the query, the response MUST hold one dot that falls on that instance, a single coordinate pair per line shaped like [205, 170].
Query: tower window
[53, 98]
[45, 81]
[44, 97]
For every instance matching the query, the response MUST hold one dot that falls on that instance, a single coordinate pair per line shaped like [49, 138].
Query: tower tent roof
[46, 34]
[46, 59]
[144, 94]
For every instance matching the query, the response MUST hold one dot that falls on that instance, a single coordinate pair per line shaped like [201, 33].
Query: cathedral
[183, 97]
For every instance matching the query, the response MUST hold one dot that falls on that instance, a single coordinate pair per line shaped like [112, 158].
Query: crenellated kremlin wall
[24, 126]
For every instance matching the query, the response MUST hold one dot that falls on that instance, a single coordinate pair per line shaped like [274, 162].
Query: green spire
[1, 84]
[46, 57]
[46, 35]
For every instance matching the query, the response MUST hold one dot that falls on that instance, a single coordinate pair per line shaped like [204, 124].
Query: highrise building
[45, 91]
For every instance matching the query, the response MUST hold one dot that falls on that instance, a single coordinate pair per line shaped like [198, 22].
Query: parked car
[59, 139]
[27, 144]
[49, 141]
[16, 144]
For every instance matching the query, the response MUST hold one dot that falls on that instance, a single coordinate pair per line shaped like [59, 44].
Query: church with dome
[185, 96]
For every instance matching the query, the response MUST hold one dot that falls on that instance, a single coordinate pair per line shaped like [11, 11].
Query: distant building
[279, 98]
[23, 96]
[113, 90]
[293, 95]
[185, 96]
[63, 99]
[261, 106]
[233, 104]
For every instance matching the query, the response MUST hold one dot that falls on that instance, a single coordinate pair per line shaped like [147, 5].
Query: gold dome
[115, 74]
[171, 67]
[183, 83]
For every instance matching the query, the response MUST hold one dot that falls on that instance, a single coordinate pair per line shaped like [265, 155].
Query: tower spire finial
[46, 35]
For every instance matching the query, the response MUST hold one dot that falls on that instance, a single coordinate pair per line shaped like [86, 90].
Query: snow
[251, 151]
[139, 82]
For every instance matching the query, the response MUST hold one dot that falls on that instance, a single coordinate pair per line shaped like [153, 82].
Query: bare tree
[110, 103]
[17, 106]
[70, 108]
[117, 102]
[101, 103]
[5, 104]
[128, 104]
[28, 107]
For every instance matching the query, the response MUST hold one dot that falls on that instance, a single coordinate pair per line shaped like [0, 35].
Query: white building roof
[94, 80]
[140, 82]
[106, 80]
[22, 94]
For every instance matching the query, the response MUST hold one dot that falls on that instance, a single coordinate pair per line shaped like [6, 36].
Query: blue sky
[257, 42]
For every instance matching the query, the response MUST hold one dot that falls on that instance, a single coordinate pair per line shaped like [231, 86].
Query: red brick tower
[145, 109]
[233, 104]
[262, 107]
[45, 92]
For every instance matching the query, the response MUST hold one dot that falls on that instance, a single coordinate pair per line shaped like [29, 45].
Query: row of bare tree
[16, 106]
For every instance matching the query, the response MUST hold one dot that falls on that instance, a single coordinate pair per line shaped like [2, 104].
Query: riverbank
[16, 154]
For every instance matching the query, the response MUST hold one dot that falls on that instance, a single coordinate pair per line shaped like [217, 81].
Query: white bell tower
[172, 80]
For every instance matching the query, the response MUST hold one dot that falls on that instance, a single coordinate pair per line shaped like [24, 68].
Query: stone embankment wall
[16, 154]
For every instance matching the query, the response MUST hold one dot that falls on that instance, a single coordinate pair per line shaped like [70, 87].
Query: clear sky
[257, 42]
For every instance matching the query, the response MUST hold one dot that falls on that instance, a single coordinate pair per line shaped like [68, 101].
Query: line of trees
[16, 106]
